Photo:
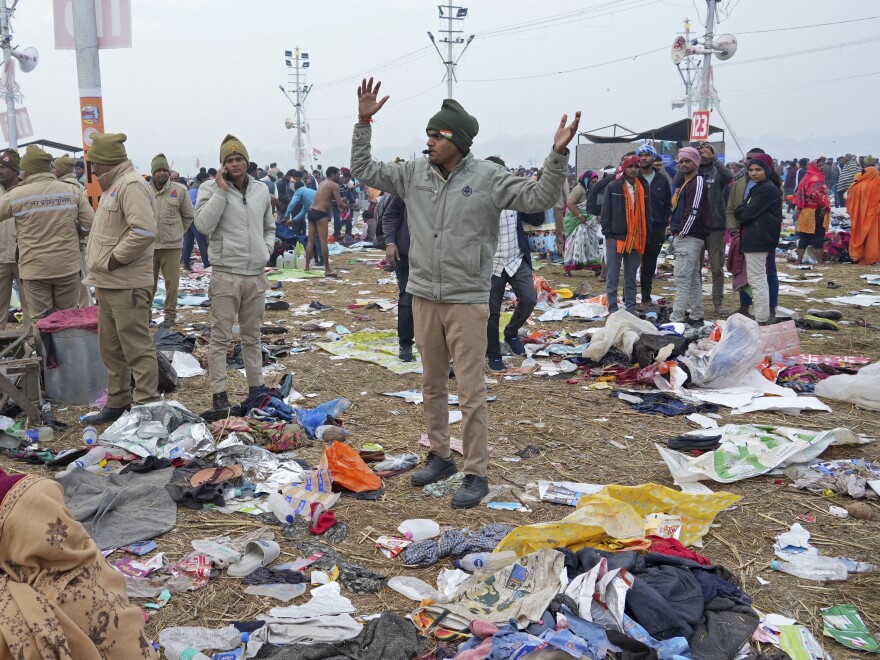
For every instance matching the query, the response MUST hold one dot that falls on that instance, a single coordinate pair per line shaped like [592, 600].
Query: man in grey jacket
[453, 203]
[235, 212]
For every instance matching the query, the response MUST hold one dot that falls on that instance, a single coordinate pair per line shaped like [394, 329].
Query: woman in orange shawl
[814, 212]
[863, 204]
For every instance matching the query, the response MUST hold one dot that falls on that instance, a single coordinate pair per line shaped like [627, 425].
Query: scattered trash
[844, 624]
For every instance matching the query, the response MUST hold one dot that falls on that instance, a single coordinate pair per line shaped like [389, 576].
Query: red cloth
[322, 520]
[812, 192]
[736, 262]
[7, 481]
[674, 548]
[70, 319]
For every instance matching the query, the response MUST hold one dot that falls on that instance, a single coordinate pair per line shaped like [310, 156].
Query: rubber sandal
[833, 285]
[256, 554]
[216, 475]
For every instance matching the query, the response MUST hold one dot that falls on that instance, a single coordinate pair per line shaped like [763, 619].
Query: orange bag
[349, 470]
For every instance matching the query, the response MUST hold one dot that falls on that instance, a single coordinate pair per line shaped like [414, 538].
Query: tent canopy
[678, 131]
[72, 150]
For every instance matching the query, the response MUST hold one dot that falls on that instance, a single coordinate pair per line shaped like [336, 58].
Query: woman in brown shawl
[59, 598]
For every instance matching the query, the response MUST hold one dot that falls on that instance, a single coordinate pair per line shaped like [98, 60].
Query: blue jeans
[745, 300]
[190, 238]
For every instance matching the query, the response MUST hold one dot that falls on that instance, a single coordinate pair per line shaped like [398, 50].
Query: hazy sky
[202, 68]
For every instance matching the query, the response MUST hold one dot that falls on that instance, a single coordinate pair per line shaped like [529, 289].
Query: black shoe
[829, 314]
[695, 323]
[220, 401]
[253, 389]
[436, 469]
[168, 323]
[406, 354]
[319, 306]
[515, 344]
[472, 490]
[279, 305]
[497, 364]
[105, 415]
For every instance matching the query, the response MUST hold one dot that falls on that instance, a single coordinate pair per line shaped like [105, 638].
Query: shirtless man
[319, 215]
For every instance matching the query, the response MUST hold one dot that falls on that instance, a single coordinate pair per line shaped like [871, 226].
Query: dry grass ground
[575, 447]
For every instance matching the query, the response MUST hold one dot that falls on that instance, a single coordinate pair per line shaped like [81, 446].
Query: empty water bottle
[419, 529]
[812, 567]
[490, 561]
[186, 643]
[93, 457]
[90, 436]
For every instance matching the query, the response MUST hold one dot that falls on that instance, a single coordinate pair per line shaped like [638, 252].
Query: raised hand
[565, 134]
[367, 103]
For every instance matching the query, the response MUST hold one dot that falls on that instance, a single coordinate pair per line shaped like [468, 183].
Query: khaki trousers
[445, 330]
[559, 221]
[243, 296]
[8, 272]
[126, 346]
[167, 262]
[84, 300]
[756, 269]
[54, 293]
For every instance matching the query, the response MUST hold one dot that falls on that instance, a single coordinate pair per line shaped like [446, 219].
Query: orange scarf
[636, 222]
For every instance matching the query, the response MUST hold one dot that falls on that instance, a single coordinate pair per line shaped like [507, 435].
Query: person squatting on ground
[174, 215]
[660, 205]
[512, 264]
[738, 193]
[51, 218]
[691, 223]
[760, 221]
[453, 202]
[235, 212]
[395, 226]
[624, 219]
[120, 267]
[319, 217]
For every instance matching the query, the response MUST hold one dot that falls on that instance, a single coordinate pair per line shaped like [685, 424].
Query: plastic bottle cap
[289, 518]
[245, 637]
[774, 565]
[408, 535]
[458, 563]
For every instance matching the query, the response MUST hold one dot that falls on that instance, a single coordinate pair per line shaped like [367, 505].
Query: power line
[391, 103]
[788, 88]
[394, 62]
[803, 52]
[803, 27]
[582, 68]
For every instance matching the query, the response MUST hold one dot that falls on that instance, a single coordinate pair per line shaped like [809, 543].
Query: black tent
[678, 131]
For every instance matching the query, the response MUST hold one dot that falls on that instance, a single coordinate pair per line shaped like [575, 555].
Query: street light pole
[450, 13]
[6, 44]
[706, 71]
[298, 61]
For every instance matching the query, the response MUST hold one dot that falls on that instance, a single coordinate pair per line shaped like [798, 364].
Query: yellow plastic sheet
[614, 519]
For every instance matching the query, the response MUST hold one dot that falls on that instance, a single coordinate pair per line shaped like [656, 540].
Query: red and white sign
[700, 126]
[23, 124]
[113, 19]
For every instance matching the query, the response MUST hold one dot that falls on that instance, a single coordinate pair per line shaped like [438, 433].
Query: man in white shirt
[512, 263]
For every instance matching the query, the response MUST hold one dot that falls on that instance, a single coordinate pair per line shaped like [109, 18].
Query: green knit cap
[64, 164]
[232, 145]
[455, 124]
[10, 158]
[107, 149]
[36, 161]
[159, 162]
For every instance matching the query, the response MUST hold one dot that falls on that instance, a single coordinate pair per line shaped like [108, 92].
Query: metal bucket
[80, 376]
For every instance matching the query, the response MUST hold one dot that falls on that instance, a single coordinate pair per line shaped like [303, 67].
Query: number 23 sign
[700, 126]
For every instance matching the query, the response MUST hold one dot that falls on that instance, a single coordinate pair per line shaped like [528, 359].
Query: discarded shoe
[436, 469]
[471, 491]
[272, 330]
[105, 415]
[515, 344]
[830, 314]
[279, 305]
[319, 306]
[816, 323]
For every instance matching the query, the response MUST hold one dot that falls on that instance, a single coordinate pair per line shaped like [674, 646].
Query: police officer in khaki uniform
[50, 218]
[62, 168]
[10, 163]
[174, 215]
[120, 266]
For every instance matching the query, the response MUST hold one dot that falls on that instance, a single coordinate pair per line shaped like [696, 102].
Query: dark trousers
[524, 287]
[745, 300]
[339, 224]
[405, 327]
[653, 245]
[190, 238]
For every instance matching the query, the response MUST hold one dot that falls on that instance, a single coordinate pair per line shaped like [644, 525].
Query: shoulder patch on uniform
[174, 193]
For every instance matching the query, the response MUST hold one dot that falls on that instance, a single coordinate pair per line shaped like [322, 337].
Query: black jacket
[661, 200]
[717, 178]
[760, 218]
[613, 216]
[595, 196]
[522, 239]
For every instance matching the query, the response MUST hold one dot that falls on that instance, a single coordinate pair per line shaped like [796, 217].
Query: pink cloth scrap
[85, 318]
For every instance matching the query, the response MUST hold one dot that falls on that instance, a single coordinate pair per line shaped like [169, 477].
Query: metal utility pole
[451, 13]
[6, 44]
[690, 68]
[298, 61]
[705, 78]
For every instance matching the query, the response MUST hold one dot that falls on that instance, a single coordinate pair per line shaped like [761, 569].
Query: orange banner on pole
[91, 112]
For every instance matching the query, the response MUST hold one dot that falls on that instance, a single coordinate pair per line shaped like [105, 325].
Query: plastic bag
[780, 338]
[740, 350]
[349, 470]
[543, 289]
[582, 246]
[310, 420]
[862, 390]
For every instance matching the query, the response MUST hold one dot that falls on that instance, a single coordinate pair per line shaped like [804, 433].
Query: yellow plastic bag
[615, 517]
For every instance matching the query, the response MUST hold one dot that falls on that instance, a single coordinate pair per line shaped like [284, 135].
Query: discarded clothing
[196, 497]
[310, 420]
[663, 403]
[85, 318]
[264, 575]
[389, 637]
[724, 629]
[648, 345]
[674, 548]
[119, 509]
[455, 543]
[165, 340]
